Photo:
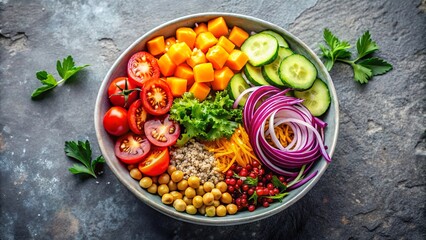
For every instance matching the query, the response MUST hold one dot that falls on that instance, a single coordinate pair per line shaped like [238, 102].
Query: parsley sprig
[82, 152]
[66, 69]
[364, 67]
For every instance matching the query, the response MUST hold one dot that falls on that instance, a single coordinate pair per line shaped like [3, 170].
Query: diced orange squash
[169, 42]
[205, 40]
[177, 85]
[197, 57]
[218, 27]
[226, 44]
[187, 35]
[200, 27]
[203, 72]
[156, 46]
[238, 36]
[179, 52]
[167, 66]
[200, 90]
[186, 72]
[236, 60]
[217, 55]
[222, 78]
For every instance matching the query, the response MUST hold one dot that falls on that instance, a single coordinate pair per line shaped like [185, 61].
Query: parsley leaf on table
[364, 68]
[66, 69]
[82, 152]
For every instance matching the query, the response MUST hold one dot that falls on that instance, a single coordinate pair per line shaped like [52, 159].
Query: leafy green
[277, 183]
[210, 119]
[66, 69]
[278, 196]
[82, 152]
[364, 68]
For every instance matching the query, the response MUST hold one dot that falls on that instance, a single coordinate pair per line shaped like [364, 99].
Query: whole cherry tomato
[122, 92]
[115, 121]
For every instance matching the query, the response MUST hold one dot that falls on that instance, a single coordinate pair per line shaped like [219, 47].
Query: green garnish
[66, 69]
[278, 196]
[278, 184]
[364, 68]
[82, 152]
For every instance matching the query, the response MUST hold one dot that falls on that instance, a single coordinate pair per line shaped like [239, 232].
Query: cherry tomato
[115, 121]
[122, 92]
[162, 133]
[141, 67]
[132, 148]
[156, 163]
[137, 117]
[156, 97]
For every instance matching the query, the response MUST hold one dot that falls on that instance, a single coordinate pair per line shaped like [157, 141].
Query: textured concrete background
[374, 189]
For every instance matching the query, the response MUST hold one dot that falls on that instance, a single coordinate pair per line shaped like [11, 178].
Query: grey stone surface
[374, 188]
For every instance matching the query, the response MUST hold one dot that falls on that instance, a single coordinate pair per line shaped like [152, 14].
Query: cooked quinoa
[194, 160]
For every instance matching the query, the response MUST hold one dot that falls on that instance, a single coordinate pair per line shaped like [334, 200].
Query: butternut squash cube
[187, 35]
[218, 27]
[226, 44]
[177, 85]
[238, 36]
[236, 60]
[200, 90]
[222, 78]
[217, 55]
[186, 72]
[167, 66]
[179, 52]
[204, 72]
[205, 40]
[156, 46]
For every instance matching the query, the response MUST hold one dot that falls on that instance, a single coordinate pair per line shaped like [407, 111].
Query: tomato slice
[141, 67]
[162, 133]
[132, 148]
[156, 97]
[122, 92]
[137, 117]
[115, 121]
[156, 163]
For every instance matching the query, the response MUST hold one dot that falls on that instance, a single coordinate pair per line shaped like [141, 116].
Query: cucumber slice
[236, 86]
[316, 99]
[270, 71]
[281, 41]
[297, 72]
[261, 49]
[254, 75]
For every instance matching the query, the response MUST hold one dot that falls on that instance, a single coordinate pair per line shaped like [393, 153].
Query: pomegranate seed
[255, 163]
[231, 189]
[229, 173]
[248, 167]
[270, 186]
[276, 191]
[243, 172]
[238, 201]
[281, 178]
[271, 192]
[259, 191]
[265, 204]
[250, 191]
[251, 208]
[240, 182]
[265, 191]
[232, 181]
[245, 187]
[252, 175]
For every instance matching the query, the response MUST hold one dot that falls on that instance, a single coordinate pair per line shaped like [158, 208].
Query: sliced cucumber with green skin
[236, 86]
[261, 49]
[316, 99]
[254, 75]
[270, 71]
[281, 41]
[297, 72]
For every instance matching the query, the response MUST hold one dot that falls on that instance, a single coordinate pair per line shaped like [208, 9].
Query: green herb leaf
[278, 196]
[378, 66]
[82, 152]
[277, 183]
[48, 81]
[254, 197]
[362, 74]
[251, 181]
[67, 68]
[365, 45]
[336, 49]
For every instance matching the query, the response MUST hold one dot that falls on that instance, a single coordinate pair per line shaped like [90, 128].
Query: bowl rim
[215, 221]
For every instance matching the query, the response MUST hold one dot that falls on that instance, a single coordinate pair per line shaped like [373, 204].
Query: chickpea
[216, 193]
[202, 210]
[216, 203]
[190, 192]
[152, 189]
[176, 195]
[210, 211]
[172, 185]
[182, 185]
[136, 174]
[187, 200]
[145, 182]
[208, 186]
[194, 182]
[190, 209]
[200, 190]
[167, 198]
[171, 169]
[164, 178]
[221, 211]
[197, 201]
[231, 208]
[179, 205]
[208, 199]
[177, 176]
[162, 189]
[226, 198]
[222, 186]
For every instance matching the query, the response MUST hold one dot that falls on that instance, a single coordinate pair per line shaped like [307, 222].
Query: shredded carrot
[283, 132]
[236, 149]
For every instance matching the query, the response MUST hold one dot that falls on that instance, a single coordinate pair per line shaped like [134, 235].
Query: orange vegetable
[167, 66]
[200, 27]
[169, 42]
[236, 60]
[222, 78]
[218, 27]
[179, 52]
[177, 85]
[197, 57]
[226, 44]
[205, 40]
[238, 36]
[203, 72]
[200, 90]
[186, 72]
[217, 55]
[187, 35]
[156, 45]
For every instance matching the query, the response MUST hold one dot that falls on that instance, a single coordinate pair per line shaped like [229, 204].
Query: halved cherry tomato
[122, 92]
[156, 163]
[141, 67]
[156, 97]
[132, 148]
[162, 133]
[115, 121]
[137, 117]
